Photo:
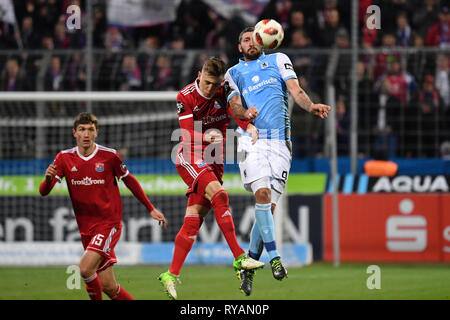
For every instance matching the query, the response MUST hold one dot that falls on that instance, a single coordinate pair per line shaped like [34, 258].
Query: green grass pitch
[318, 281]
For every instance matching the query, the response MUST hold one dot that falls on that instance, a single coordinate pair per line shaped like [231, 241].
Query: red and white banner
[390, 227]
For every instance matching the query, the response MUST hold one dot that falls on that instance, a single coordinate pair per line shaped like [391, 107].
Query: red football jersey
[93, 186]
[194, 108]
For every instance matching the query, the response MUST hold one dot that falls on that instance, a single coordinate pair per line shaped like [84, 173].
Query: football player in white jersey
[263, 81]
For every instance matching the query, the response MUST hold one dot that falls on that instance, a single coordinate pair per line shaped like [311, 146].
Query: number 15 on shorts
[97, 240]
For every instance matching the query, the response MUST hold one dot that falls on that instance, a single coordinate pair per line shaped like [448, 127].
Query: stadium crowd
[403, 98]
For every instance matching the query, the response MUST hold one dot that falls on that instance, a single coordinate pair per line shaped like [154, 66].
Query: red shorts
[103, 242]
[197, 177]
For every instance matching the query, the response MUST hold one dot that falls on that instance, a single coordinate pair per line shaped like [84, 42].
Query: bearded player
[204, 115]
[263, 82]
[92, 173]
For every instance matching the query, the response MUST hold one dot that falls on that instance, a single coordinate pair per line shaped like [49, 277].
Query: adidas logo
[196, 108]
[74, 169]
[227, 213]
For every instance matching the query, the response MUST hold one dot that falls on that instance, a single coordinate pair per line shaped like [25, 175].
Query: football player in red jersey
[91, 173]
[205, 101]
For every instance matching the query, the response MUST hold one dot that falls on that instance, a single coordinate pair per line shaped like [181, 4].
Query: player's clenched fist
[50, 173]
[251, 113]
[320, 110]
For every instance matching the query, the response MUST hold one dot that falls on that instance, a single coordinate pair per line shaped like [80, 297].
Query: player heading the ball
[262, 82]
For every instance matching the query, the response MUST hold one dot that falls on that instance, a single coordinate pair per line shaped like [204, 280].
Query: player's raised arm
[302, 99]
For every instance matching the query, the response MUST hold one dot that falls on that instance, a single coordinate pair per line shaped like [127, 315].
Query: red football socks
[220, 203]
[94, 287]
[121, 294]
[184, 241]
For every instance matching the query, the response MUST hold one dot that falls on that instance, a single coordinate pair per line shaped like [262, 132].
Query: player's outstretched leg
[168, 282]
[279, 272]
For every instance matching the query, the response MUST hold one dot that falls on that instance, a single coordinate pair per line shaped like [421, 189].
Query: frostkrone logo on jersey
[87, 181]
[213, 152]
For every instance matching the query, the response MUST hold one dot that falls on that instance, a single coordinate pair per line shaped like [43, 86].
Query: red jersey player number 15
[92, 173]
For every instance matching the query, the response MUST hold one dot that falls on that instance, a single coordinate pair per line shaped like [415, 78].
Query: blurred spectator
[388, 41]
[395, 88]
[442, 79]
[47, 16]
[389, 10]
[342, 80]
[12, 80]
[443, 87]
[302, 62]
[146, 58]
[367, 107]
[403, 32]
[425, 16]
[342, 126]
[54, 77]
[30, 37]
[114, 40]
[395, 83]
[8, 37]
[428, 112]
[60, 39]
[306, 129]
[230, 33]
[75, 77]
[332, 25]
[130, 78]
[419, 62]
[215, 38]
[47, 42]
[278, 10]
[439, 33]
[296, 23]
[100, 27]
[193, 23]
[324, 9]
[164, 77]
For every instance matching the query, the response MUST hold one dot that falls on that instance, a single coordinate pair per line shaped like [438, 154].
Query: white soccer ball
[268, 34]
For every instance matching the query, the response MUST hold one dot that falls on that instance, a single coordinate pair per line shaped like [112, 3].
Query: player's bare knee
[212, 188]
[86, 271]
[262, 195]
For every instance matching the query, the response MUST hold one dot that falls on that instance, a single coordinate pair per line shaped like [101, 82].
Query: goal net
[35, 126]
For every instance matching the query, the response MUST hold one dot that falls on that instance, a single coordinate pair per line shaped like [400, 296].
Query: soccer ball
[268, 34]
